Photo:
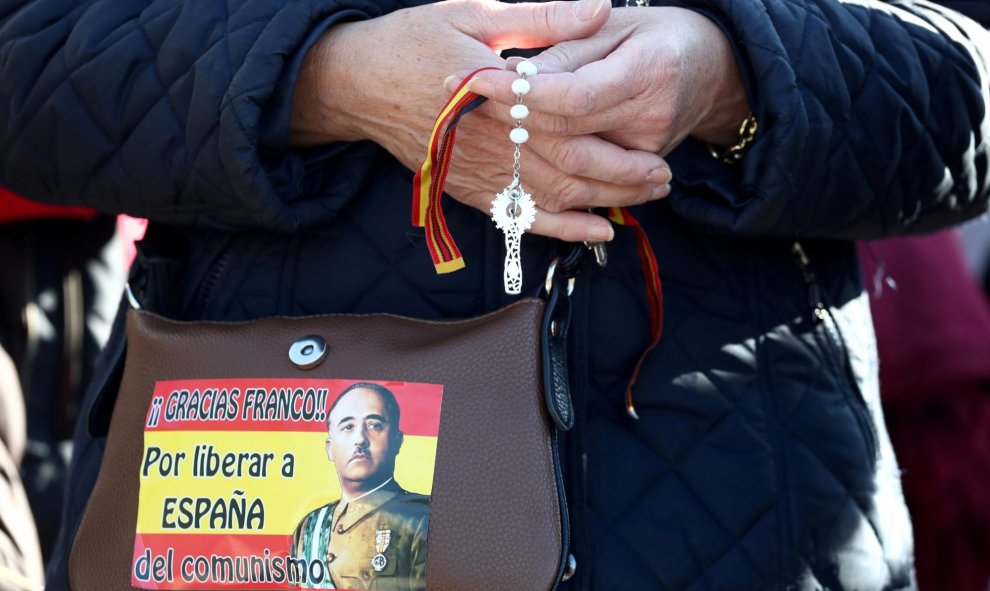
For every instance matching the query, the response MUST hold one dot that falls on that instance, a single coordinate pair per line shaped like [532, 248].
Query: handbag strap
[561, 276]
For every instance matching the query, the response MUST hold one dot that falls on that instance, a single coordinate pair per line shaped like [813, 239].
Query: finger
[593, 158]
[573, 226]
[555, 190]
[563, 94]
[552, 169]
[497, 85]
[596, 87]
[552, 189]
[558, 126]
[570, 55]
[533, 24]
[547, 124]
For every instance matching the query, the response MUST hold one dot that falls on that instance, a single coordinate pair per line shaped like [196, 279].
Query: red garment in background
[933, 336]
[14, 208]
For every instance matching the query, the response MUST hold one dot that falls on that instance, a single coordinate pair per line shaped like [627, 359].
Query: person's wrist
[325, 86]
[728, 106]
[721, 128]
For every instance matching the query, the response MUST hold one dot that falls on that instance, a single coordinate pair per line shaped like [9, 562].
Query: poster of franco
[286, 484]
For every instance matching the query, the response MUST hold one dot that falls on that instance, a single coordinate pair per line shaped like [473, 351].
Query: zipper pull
[818, 310]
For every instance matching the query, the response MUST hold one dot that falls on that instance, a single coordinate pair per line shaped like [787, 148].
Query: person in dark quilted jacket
[272, 147]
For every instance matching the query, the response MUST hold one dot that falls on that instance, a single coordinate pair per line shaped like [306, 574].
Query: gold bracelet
[733, 154]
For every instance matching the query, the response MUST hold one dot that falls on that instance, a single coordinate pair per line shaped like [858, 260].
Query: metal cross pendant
[513, 212]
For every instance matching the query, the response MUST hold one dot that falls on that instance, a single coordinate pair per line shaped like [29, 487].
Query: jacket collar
[349, 514]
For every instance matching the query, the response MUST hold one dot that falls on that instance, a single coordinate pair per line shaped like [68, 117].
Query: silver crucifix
[514, 212]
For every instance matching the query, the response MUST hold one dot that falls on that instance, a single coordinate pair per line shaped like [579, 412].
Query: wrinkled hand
[646, 80]
[382, 80]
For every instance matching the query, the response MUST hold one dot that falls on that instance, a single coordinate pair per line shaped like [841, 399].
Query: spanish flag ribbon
[654, 293]
[429, 180]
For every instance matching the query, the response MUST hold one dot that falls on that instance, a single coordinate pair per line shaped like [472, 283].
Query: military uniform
[377, 541]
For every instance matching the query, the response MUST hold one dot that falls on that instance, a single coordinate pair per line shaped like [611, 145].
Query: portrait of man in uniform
[374, 536]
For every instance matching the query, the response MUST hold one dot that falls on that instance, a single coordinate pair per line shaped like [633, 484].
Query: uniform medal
[382, 539]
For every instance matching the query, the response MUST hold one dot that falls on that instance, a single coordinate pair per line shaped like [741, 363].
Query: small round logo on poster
[379, 562]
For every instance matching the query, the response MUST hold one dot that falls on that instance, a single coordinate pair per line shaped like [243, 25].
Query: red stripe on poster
[248, 404]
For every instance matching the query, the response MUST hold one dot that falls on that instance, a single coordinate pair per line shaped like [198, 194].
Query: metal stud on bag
[570, 568]
[308, 352]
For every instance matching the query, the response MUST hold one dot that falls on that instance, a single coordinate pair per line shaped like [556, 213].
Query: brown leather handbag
[497, 517]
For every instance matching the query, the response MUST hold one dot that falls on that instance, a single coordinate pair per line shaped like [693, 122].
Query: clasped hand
[616, 89]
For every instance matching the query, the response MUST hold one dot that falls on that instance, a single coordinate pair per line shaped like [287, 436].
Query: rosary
[513, 209]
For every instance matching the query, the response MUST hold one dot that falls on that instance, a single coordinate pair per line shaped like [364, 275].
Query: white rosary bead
[520, 86]
[519, 135]
[526, 68]
[519, 112]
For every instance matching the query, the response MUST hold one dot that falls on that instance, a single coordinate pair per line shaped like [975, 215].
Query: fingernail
[586, 10]
[601, 232]
[450, 82]
[660, 191]
[660, 175]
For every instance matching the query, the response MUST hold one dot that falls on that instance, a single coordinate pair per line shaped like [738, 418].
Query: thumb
[536, 24]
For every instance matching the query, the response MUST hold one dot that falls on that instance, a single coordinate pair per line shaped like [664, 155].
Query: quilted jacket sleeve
[155, 107]
[873, 121]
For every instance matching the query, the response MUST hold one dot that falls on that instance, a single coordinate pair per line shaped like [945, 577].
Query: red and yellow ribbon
[654, 293]
[429, 180]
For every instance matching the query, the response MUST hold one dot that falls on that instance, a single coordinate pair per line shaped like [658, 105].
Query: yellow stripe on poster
[250, 482]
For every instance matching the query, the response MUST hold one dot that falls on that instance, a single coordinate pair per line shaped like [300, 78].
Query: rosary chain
[517, 153]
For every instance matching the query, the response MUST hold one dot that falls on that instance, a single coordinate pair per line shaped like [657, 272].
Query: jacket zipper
[208, 288]
[821, 314]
